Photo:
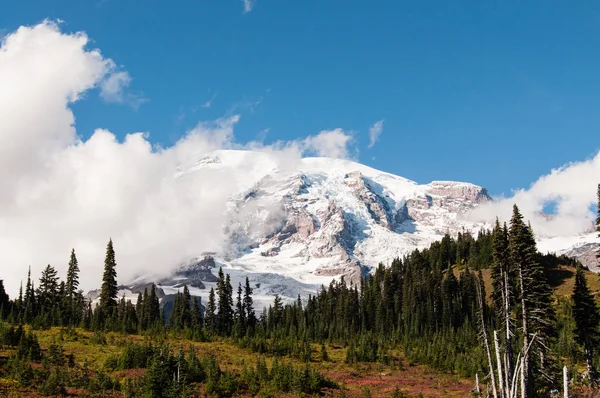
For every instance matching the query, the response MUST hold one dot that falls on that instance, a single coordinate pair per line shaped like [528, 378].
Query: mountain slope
[293, 228]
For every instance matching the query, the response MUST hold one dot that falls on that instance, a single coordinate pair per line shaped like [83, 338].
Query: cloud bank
[570, 189]
[59, 192]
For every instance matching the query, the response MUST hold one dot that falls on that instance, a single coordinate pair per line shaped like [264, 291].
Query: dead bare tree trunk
[525, 355]
[485, 337]
[509, 354]
[499, 364]
[565, 383]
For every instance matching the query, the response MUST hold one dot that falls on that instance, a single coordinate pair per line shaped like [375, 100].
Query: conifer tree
[186, 312]
[211, 308]
[29, 300]
[48, 290]
[4, 301]
[249, 306]
[225, 314]
[153, 307]
[109, 290]
[537, 315]
[240, 314]
[587, 320]
[72, 284]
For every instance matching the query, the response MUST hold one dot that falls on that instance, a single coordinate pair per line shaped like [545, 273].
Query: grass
[353, 380]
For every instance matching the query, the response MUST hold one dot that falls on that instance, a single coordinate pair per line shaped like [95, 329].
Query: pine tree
[587, 320]
[240, 314]
[225, 314]
[210, 311]
[109, 291]
[72, 284]
[48, 290]
[29, 299]
[249, 306]
[72, 295]
[154, 306]
[4, 301]
[537, 315]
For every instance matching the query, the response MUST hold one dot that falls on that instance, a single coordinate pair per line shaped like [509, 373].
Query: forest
[472, 306]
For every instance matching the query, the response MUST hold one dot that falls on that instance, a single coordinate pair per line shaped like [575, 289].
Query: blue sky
[495, 93]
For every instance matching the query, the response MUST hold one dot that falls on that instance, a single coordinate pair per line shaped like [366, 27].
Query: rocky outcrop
[192, 274]
[377, 206]
[459, 190]
[586, 253]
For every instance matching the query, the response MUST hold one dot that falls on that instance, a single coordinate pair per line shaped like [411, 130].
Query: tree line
[431, 303]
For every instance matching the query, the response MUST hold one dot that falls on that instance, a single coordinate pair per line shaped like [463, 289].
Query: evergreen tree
[48, 290]
[240, 314]
[109, 290]
[153, 307]
[210, 311]
[587, 320]
[72, 284]
[249, 306]
[4, 301]
[537, 315]
[29, 299]
[225, 314]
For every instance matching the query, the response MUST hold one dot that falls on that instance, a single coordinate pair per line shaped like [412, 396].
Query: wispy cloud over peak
[375, 132]
[249, 5]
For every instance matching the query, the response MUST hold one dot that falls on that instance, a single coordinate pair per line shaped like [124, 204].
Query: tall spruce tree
[537, 315]
[225, 295]
[211, 309]
[4, 301]
[109, 290]
[587, 320]
[48, 290]
[72, 284]
[249, 306]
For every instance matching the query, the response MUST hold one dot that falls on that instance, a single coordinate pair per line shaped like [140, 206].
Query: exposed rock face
[377, 206]
[192, 274]
[587, 255]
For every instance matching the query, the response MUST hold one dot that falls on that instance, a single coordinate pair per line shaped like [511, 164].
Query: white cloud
[572, 188]
[111, 89]
[374, 133]
[58, 192]
[115, 87]
[249, 5]
[328, 143]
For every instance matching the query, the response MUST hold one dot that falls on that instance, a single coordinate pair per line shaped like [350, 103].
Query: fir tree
[225, 314]
[4, 301]
[210, 311]
[72, 284]
[48, 290]
[249, 306]
[109, 290]
[240, 314]
[587, 320]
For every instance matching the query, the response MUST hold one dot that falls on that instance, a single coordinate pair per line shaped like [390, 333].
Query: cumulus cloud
[374, 133]
[571, 189]
[249, 5]
[328, 143]
[59, 192]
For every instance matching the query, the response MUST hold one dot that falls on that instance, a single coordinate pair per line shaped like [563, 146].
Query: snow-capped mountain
[291, 229]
